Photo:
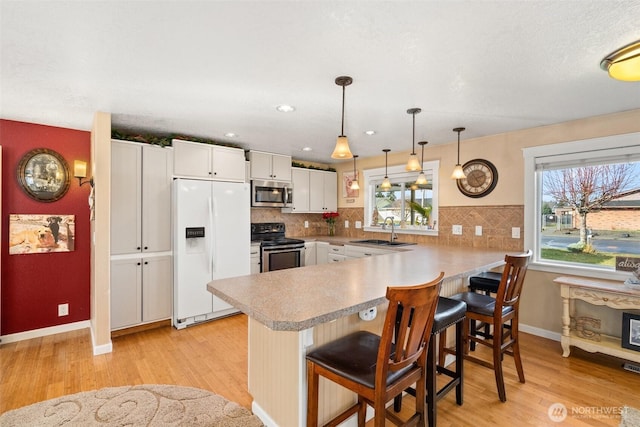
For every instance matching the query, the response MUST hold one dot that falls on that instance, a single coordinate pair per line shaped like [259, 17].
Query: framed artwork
[43, 175]
[631, 331]
[347, 179]
[42, 233]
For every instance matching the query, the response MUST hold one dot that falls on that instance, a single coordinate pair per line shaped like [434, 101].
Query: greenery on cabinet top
[165, 140]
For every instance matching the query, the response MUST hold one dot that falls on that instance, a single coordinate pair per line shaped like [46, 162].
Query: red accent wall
[34, 284]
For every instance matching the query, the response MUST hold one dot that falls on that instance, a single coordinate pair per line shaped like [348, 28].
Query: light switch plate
[346, 223]
[515, 232]
[358, 224]
[456, 229]
[478, 230]
[306, 224]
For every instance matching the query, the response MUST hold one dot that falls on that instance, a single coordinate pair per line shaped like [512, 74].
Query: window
[582, 204]
[412, 207]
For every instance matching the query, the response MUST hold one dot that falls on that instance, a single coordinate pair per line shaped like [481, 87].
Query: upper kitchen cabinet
[300, 192]
[270, 167]
[207, 161]
[140, 198]
[323, 191]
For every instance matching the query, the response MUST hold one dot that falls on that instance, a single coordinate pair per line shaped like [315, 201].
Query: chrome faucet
[393, 232]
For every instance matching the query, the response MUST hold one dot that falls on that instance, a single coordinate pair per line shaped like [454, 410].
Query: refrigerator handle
[210, 253]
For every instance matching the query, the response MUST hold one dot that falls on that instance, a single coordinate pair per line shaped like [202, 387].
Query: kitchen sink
[382, 242]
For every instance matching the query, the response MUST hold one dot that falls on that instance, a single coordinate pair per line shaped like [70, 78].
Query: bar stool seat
[486, 282]
[449, 312]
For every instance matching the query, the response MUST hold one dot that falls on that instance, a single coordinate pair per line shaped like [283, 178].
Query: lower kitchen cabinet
[255, 258]
[141, 290]
[310, 253]
[322, 252]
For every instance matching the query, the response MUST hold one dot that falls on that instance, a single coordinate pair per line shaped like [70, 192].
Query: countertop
[300, 298]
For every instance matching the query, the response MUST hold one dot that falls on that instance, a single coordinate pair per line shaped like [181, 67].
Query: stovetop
[271, 234]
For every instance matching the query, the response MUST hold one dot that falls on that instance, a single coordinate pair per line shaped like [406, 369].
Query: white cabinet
[207, 161]
[322, 252]
[363, 251]
[255, 258]
[300, 182]
[140, 198]
[141, 264]
[270, 167]
[310, 253]
[323, 191]
[314, 191]
[141, 290]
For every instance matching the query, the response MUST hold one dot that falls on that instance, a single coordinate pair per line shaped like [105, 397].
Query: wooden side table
[597, 292]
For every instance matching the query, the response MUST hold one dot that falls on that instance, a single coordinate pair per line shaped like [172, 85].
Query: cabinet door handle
[146, 262]
[146, 247]
[138, 248]
[366, 254]
[138, 264]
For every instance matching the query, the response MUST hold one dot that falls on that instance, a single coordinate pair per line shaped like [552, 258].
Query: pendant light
[458, 173]
[386, 184]
[624, 63]
[354, 183]
[342, 150]
[421, 178]
[413, 164]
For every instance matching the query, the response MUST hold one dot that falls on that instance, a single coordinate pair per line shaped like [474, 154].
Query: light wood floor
[213, 356]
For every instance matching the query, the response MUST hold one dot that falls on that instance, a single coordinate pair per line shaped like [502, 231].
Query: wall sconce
[80, 171]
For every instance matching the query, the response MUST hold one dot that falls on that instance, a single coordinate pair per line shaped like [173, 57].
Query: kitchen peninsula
[292, 310]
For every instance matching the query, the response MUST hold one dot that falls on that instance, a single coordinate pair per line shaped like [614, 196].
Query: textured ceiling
[205, 68]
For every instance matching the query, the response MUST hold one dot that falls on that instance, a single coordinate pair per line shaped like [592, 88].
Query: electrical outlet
[306, 224]
[368, 314]
[63, 310]
[515, 232]
[456, 229]
[358, 224]
[478, 230]
[346, 223]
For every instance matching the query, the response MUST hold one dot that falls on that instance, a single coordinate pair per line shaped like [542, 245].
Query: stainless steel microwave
[271, 194]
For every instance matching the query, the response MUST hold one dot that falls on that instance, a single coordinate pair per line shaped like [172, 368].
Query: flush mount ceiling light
[285, 108]
[413, 164]
[354, 183]
[624, 63]
[421, 178]
[370, 132]
[342, 150]
[458, 173]
[231, 135]
[386, 184]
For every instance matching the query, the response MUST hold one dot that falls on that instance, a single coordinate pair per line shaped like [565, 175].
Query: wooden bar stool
[486, 282]
[500, 312]
[373, 366]
[449, 312]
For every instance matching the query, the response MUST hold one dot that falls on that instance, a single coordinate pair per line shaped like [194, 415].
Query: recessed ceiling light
[370, 132]
[307, 149]
[231, 135]
[284, 108]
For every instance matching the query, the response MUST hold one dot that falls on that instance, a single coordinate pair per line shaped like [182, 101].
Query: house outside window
[582, 205]
[413, 208]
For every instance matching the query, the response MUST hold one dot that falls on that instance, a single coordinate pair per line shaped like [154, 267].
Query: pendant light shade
[354, 183]
[413, 164]
[458, 173]
[342, 150]
[386, 184]
[624, 63]
[422, 179]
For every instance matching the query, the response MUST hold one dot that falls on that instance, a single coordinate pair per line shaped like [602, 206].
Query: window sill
[575, 270]
[422, 232]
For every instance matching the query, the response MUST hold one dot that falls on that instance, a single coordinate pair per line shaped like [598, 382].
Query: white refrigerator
[212, 239]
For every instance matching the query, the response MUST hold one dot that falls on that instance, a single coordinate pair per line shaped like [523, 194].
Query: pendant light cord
[342, 128]
[413, 149]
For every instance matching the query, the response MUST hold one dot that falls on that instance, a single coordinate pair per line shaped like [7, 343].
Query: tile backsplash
[496, 222]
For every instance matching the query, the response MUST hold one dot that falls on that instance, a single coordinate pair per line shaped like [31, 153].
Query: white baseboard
[555, 336]
[43, 332]
[100, 349]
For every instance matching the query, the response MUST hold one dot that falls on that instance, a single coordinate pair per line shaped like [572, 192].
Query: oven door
[281, 257]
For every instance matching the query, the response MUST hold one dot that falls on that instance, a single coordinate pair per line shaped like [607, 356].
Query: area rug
[142, 405]
[630, 417]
